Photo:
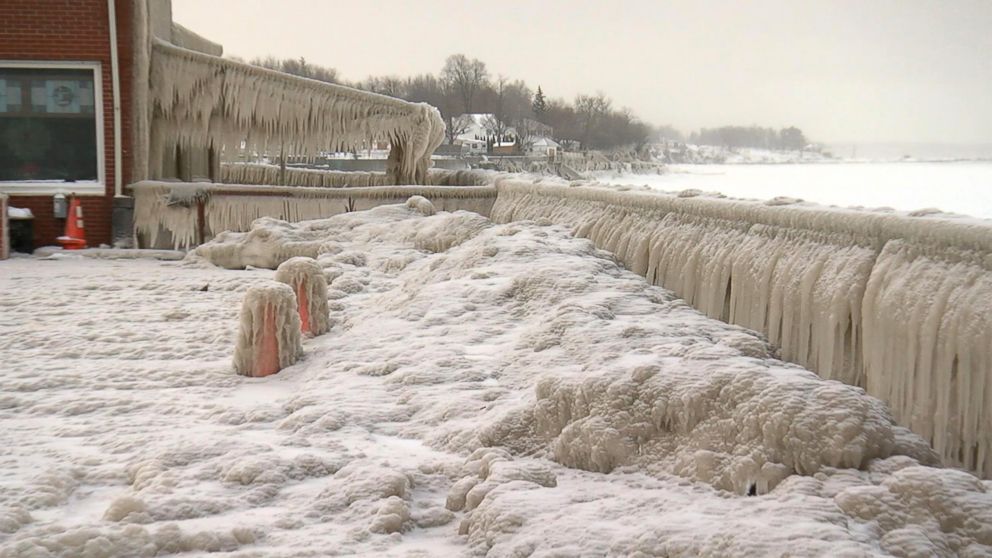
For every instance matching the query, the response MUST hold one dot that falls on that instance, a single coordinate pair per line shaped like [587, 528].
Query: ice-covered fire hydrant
[269, 335]
[307, 280]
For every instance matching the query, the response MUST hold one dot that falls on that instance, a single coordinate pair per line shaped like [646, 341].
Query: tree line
[790, 138]
[465, 86]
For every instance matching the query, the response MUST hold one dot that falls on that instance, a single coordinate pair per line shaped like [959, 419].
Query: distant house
[505, 148]
[479, 130]
[477, 126]
[544, 147]
[472, 146]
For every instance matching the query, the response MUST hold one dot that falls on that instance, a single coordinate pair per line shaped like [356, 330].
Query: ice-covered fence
[241, 173]
[182, 215]
[206, 101]
[896, 303]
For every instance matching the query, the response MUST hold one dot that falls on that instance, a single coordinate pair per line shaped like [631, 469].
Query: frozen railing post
[269, 335]
[307, 280]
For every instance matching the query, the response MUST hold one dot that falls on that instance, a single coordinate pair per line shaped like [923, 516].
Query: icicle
[912, 325]
[928, 333]
[269, 332]
[307, 279]
[201, 100]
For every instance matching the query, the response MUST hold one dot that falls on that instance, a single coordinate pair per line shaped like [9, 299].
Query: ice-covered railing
[203, 100]
[182, 215]
[900, 304]
[254, 173]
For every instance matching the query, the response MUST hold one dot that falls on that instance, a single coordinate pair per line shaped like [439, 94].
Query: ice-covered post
[307, 280]
[269, 335]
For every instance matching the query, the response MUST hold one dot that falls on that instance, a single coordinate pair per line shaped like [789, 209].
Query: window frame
[98, 187]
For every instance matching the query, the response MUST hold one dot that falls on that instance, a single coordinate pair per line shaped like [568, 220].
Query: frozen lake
[964, 188]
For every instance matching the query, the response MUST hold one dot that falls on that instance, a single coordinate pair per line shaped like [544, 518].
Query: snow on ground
[501, 390]
[964, 187]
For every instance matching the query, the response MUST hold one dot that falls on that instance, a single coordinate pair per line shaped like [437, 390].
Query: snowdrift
[450, 335]
[718, 409]
[898, 304]
[183, 215]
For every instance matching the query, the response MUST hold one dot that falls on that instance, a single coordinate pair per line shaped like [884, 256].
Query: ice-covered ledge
[204, 100]
[940, 228]
[897, 303]
[181, 215]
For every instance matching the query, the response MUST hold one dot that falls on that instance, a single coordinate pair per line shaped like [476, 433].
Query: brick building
[96, 95]
[57, 108]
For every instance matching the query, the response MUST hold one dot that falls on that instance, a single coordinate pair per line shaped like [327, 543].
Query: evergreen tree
[540, 106]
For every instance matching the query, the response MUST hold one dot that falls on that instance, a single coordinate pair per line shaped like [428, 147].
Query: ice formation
[203, 100]
[270, 242]
[893, 303]
[450, 334]
[167, 214]
[269, 330]
[928, 345]
[307, 280]
[822, 284]
[273, 175]
[240, 173]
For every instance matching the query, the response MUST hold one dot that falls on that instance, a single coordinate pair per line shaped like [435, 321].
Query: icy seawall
[898, 304]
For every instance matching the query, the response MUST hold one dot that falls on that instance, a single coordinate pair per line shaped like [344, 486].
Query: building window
[49, 116]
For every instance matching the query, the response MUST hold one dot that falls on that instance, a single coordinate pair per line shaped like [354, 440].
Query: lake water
[960, 187]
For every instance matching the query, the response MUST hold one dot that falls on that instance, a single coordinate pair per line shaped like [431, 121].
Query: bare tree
[527, 132]
[464, 77]
[498, 122]
[590, 110]
[457, 126]
[298, 67]
[385, 85]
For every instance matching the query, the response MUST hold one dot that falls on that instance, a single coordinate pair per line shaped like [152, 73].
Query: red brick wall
[76, 30]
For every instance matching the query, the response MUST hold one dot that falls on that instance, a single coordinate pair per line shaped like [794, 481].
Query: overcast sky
[858, 70]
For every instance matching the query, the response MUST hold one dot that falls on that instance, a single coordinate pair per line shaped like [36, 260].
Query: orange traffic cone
[75, 231]
[269, 336]
[307, 279]
[267, 352]
[304, 306]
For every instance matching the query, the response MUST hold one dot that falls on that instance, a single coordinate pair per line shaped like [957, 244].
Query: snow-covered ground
[964, 187]
[501, 390]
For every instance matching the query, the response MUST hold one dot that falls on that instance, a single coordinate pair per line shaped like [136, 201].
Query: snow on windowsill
[51, 187]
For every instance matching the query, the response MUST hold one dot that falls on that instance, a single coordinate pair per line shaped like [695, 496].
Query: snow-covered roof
[480, 125]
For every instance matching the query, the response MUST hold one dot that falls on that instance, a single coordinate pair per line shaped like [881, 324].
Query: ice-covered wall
[898, 304]
[240, 173]
[168, 214]
[201, 100]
